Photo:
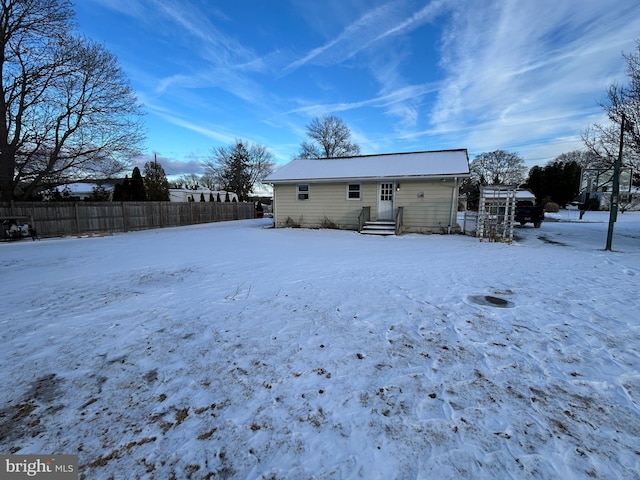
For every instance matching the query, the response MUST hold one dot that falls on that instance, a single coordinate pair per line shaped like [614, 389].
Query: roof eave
[370, 179]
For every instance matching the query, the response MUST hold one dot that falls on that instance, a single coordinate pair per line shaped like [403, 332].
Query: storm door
[385, 200]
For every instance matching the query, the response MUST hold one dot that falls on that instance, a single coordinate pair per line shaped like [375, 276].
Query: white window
[302, 191]
[354, 191]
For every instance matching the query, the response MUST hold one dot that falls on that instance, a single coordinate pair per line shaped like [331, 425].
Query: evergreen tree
[155, 181]
[236, 171]
[536, 182]
[557, 181]
[121, 190]
[57, 196]
[99, 194]
[239, 166]
[137, 191]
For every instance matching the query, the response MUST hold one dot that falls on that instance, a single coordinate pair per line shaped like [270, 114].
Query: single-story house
[416, 192]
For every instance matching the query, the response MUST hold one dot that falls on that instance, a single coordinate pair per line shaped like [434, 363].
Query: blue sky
[524, 76]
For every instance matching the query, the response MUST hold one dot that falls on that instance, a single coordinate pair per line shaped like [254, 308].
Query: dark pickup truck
[527, 212]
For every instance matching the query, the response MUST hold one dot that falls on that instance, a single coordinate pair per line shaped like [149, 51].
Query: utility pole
[615, 189]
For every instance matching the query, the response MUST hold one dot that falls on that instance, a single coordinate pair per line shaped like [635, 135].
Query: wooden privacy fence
[78, 218]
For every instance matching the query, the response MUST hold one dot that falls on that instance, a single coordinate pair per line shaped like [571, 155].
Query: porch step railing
[380, 227]
[363, 217]
[399, 220]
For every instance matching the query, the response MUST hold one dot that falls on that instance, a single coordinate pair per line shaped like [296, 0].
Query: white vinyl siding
[427, 204]
[326, 201]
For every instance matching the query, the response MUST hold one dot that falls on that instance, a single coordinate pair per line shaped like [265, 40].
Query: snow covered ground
[232, 350]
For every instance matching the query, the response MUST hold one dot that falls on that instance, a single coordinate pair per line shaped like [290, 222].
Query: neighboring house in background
[524, 194]
[627, 200]
[417, 192]
[81, 191]
[84, 191]
[202, 194]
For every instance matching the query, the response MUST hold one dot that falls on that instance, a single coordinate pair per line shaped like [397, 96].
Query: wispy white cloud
[227, 63]
[214, 132]
[390, 99]
[382, 22]
[224, 62]
[191, 20]
[133, 8]
[377, 36]
[527, 71]
[525, 76]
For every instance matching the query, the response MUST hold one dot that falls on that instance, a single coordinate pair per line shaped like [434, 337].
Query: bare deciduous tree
[603, 141]
[67, 112]
[498, 168]
[330, 138]
[189, 180]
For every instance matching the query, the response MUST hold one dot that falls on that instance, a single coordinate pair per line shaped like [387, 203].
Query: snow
[395, 165]
[233, 350]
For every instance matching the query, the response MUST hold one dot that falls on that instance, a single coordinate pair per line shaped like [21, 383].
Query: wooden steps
[379, 227]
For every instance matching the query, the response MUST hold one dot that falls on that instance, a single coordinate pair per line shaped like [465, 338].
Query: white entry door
[385, 200]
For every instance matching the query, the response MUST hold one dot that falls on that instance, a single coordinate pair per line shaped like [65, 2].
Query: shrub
[593, 204]
[328, 223]
[551, 207]
[290, 223]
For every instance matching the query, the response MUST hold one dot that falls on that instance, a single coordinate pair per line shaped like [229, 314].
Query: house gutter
[453, 203]
[394, 178]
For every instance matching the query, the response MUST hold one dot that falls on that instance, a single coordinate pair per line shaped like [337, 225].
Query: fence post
[124, 217]
[77, 213]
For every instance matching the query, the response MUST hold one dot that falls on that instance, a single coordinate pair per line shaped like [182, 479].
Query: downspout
[273, 206]
[453, 203]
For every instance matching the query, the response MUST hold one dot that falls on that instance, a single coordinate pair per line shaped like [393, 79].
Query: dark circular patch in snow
[497, 301]
[490, 301]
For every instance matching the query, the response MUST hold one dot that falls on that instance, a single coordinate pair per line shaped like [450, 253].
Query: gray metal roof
[440, 163]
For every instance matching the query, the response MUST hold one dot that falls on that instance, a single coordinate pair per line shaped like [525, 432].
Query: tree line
[240, 166]
[68, 114]
[559, 180]
[154, 186]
